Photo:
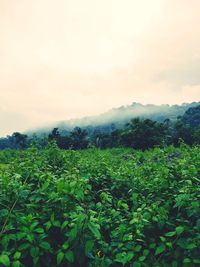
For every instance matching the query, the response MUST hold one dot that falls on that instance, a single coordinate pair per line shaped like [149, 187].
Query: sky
[72, 58]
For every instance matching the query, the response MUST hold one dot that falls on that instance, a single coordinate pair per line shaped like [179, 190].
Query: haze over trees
[138, 133]
[116, 118]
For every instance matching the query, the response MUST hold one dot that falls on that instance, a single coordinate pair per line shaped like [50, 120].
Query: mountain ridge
[119, 116]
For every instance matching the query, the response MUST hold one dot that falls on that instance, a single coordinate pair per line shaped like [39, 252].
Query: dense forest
[138, 133]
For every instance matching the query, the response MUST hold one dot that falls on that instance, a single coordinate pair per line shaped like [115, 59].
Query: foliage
[143, 134]
[116, 207]
[139, 133]
[192, 117]
[196, 135]
[15, 141]
[79, 138]
[183, 132]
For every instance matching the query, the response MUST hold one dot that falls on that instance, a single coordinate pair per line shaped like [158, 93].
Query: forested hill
[144, 132]
[118, 117]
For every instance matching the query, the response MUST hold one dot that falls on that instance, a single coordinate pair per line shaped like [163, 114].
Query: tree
[196, 136]
[102, 140]
[143, 134]
[54, 135]
[64, 142]
[115, 138]
[20, 140]
[192, 117]
[79, 138]
[182, 132]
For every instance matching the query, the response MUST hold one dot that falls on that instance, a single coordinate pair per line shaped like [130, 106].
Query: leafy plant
[117, 207]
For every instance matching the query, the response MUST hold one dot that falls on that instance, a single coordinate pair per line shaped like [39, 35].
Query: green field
[116, 207]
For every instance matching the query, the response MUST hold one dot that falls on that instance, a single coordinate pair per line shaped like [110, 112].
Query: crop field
[100, 208]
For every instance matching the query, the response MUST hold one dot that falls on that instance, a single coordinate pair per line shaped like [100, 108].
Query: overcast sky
[70, 58]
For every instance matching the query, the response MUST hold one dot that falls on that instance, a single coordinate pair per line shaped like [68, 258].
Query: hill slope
[117, 117]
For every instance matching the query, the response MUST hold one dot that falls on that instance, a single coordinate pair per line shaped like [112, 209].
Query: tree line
[138, 134]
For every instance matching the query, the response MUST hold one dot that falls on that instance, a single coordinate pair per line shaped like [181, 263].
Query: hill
[118, 117]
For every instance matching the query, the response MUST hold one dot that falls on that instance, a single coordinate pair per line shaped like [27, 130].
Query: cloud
[13, 121]
[183, 74]
[66, 59]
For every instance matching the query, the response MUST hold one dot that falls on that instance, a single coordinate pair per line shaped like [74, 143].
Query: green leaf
[69, 256]
[180, 230]
[138, 248]
[162, 238]
[33, 225]
[45, 245]
[64, 225]
[48, 225]
[65, 245]
[60, 257]
[21, 236]
[24, 246]
[16, 264]
[94, 229]
[142, 258]
[30, 238]
[146, 252]
[34, 251]
[124, 257]
[39, 230]
[160, 249]
[4, 259]
[56, 224]
[17, 255]
[170, 234]
[89, 246]
[152, 245]
[80, 195]
[73, 233]
[191, 246]
[187, 260]
[169, 244]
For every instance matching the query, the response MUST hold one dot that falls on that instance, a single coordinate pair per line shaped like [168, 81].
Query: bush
[93, 208]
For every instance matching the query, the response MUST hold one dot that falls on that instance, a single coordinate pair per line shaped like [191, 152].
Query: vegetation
[15, 141]
[116, 118]
[192, 117]
[116, 207]
[138, 133]
[68, 200]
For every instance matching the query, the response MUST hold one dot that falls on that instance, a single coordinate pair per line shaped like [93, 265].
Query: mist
[118, 117]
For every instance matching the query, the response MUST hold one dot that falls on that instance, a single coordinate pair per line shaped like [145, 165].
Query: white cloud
[63, 59]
